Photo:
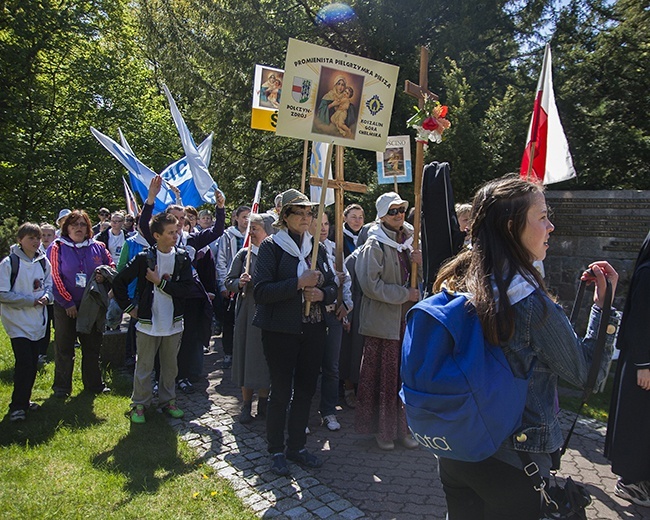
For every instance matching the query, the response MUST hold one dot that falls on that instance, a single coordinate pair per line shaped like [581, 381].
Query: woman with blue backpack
[510, 230]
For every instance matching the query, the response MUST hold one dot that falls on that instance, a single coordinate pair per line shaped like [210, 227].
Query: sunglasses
[307, 213]
[104, 214]
[394, 211]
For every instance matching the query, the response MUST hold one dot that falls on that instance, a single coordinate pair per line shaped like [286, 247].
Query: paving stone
[296, 512]
[351, 513]
[307, 482]
[286, 503]
[339, 505]
[358, 480]
[323, 512]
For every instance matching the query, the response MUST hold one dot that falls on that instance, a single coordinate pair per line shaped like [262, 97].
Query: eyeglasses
[80, 224]
[394, 211]
[117, 221]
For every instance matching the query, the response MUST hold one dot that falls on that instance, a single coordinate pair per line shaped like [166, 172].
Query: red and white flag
[546, 143]
[255, 208]
[131, 204]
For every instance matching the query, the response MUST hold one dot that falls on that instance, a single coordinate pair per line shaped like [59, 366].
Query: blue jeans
[329, 386]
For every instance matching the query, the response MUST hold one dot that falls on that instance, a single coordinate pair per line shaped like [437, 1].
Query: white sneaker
[332, 424]
[637, 493]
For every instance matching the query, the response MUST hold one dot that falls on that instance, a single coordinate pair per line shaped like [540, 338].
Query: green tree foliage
[206, 50]
[102, 63]
[602, 71]
[67, 66]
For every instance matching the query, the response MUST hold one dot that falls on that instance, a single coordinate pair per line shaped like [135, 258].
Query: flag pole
[303, 178]
[319, 222]
[247, 238]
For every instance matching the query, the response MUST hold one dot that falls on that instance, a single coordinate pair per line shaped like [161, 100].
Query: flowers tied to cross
[429, 121]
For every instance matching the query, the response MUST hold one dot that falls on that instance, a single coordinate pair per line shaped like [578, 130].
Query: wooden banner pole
[319, 222]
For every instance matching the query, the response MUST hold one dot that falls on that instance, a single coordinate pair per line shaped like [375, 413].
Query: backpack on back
[461, 397]
[15, 267]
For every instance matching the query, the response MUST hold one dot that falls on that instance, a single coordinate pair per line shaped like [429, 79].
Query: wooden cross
[340, 186]
[419, 92]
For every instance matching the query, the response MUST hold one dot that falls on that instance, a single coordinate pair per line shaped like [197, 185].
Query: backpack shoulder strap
[15, 266]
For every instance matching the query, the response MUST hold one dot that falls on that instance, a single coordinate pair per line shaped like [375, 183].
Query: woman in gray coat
[249, 368]
[383, 272]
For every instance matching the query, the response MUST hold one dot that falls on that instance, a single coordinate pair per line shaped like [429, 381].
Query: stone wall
[594, 225]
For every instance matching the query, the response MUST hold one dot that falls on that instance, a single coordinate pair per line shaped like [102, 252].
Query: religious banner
[336, 97]
[267, 89]
[394, 163]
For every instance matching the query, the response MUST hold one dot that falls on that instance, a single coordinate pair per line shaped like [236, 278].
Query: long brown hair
[498, 218]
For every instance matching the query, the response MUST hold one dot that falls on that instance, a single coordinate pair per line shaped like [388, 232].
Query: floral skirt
[379, 408]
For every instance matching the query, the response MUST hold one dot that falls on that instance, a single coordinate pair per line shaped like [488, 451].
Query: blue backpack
[461, 397]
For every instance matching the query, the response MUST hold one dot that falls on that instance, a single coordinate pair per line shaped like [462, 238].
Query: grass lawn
[81, 458]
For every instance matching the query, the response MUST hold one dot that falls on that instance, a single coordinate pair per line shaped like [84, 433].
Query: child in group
[205, 220]
[340, 115]
[164, 275]
[463, 213]
[48, 234]
[25, 291]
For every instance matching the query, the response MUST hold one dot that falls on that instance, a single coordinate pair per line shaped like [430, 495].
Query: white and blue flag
[139, 174]
[197, 161]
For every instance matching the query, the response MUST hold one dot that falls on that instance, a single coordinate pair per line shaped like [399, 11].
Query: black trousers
[228, 325]
[294, 364]
[197, 322]
[488, 490]
[26, 353]
[65, 334]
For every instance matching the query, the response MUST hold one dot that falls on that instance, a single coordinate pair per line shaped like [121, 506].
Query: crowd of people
[289, 318]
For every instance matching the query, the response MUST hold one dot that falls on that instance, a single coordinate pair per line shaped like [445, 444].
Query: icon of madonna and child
[271, 88]
[337, 103]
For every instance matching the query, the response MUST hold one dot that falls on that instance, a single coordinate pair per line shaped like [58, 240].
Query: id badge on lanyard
[80, 279]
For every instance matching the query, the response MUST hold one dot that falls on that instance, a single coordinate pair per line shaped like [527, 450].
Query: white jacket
[20, 318]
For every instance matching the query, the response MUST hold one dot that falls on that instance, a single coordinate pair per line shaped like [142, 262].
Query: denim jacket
[545, 346]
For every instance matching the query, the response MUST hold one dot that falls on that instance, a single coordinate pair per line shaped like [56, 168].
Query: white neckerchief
[69, 242]
[381, 236]
[287, 244]
[518, 289]
[350, 234]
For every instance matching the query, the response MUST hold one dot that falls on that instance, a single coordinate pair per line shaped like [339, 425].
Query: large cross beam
[419, 92]
[340, 186]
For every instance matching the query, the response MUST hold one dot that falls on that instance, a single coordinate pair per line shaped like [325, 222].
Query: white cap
[385, 201]
[62, 214]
